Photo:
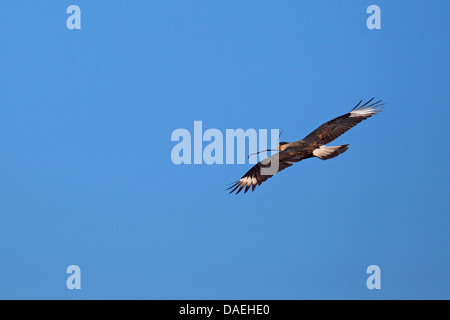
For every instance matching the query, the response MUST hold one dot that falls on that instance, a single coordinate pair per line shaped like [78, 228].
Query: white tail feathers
[326, 153]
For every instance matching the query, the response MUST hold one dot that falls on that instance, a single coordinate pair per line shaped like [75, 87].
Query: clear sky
[87, 178]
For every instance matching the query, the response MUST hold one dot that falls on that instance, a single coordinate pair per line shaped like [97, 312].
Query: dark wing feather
[334, 128]
[262, 171]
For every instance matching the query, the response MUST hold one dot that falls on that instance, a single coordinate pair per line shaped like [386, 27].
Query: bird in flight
[313, 145]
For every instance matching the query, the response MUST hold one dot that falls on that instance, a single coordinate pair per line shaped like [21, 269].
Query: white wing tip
[365, 112]
[368, 109]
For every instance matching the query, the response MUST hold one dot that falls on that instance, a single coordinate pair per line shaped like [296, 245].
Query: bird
[313, 145]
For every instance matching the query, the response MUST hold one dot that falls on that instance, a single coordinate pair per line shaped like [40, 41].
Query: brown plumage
[313, 145]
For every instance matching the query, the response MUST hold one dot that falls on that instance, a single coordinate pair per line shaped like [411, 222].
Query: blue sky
[87, 178]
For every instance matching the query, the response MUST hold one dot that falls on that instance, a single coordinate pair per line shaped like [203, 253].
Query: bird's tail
[326, 153]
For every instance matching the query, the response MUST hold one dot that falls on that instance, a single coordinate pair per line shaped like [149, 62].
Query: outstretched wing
[263, 170]
[334, 128]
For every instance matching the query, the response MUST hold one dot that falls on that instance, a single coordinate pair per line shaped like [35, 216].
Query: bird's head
[280, 146]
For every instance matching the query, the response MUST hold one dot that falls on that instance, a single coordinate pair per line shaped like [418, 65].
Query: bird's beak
[279, 147]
